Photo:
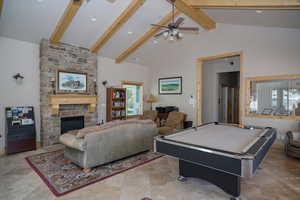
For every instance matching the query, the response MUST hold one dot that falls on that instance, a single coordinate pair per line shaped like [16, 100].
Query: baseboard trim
[278, 146]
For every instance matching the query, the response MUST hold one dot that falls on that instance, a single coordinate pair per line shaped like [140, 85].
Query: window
[134, 98]
[274, 97]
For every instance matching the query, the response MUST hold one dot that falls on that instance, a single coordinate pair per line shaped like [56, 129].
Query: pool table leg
[231, 184]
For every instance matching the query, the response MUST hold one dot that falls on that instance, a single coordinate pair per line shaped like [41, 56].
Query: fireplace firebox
[71, 123]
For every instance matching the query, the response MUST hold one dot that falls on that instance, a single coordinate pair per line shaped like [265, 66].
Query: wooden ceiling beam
[245, 4]
[195, 14]
[120, 21]
[149, 34]
[65, 20]
[1, 7]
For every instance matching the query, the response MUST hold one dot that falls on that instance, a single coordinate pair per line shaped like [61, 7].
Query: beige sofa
[93, 146]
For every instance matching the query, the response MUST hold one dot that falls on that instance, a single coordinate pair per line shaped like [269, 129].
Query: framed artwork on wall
[71, 82]
[171, 85]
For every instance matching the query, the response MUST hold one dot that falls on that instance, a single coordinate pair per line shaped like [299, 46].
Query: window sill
[273, 116]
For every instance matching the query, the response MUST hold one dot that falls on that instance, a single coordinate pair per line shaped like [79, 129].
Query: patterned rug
[63, 177]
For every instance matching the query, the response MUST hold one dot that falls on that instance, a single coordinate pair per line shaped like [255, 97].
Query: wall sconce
[104, 83]
[19, 78]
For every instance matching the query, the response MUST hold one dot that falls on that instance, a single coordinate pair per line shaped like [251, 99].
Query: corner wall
[267, 52]
[19, 57]
[63, 57]
[115, 73]
[23, 57]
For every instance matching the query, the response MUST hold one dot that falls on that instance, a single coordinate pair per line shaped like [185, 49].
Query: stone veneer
[65, 57]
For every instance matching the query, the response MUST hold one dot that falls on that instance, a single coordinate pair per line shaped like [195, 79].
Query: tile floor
[278, 179]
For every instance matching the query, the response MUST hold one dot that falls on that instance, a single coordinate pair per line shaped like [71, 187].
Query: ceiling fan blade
[161, 26]
[178, 21]
[160, 34]
[188, 28]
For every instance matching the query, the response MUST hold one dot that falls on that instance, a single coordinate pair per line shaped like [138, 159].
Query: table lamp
[151, 99]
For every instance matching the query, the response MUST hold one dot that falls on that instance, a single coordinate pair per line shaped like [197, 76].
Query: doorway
[219, 88]
[228, 97]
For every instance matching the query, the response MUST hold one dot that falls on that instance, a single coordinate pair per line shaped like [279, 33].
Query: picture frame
[170, 86]
[71, 82]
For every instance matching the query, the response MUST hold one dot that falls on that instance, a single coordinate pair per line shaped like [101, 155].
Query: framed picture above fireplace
[71, 82]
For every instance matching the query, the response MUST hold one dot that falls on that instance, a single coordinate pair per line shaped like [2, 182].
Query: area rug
[63, 177]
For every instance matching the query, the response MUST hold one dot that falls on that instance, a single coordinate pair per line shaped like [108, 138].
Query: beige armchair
[292, 147]
[174, 123]
[150, 114]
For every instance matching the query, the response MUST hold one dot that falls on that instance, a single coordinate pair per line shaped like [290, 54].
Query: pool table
[219, 153]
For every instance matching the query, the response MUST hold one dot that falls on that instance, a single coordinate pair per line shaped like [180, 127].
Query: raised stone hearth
[64, 57]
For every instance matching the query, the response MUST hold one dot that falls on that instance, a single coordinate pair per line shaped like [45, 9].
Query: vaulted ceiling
[32, 20]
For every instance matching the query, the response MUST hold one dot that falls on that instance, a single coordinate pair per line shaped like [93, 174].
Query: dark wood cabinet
[115, 104]
[20, 129]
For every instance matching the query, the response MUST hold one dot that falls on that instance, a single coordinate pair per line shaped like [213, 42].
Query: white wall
[267, 51]
[115, 73]
[23, 57]
[18, 57]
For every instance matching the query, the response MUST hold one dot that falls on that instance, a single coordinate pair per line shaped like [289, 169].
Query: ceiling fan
[171, 32]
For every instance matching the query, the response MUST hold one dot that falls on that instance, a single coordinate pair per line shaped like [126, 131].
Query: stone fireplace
[65, 57]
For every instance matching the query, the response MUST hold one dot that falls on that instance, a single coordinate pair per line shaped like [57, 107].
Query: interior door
[229, 104]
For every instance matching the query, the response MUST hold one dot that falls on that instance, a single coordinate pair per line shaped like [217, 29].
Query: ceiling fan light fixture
[166, 34]
[171, 38]
[180, 35]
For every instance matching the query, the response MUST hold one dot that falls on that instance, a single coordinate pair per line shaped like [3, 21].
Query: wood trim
[245, 4]
[226, 55]
[242, 89]
[278, 146]
[1, 7]
[119, 22]
[132, 83]
[247, 96]
[199, 91]
[270, 78]
[197, 15]
[56, 100]
[150, 33]
[273, 116]
[65, 20]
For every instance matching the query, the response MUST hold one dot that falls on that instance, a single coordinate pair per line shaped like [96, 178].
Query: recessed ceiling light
[40, 1]
[155, 41]
[93, 19]
[258, 11]
[130, 32]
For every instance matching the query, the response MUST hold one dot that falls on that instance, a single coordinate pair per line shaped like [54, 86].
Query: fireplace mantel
[56, 100]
